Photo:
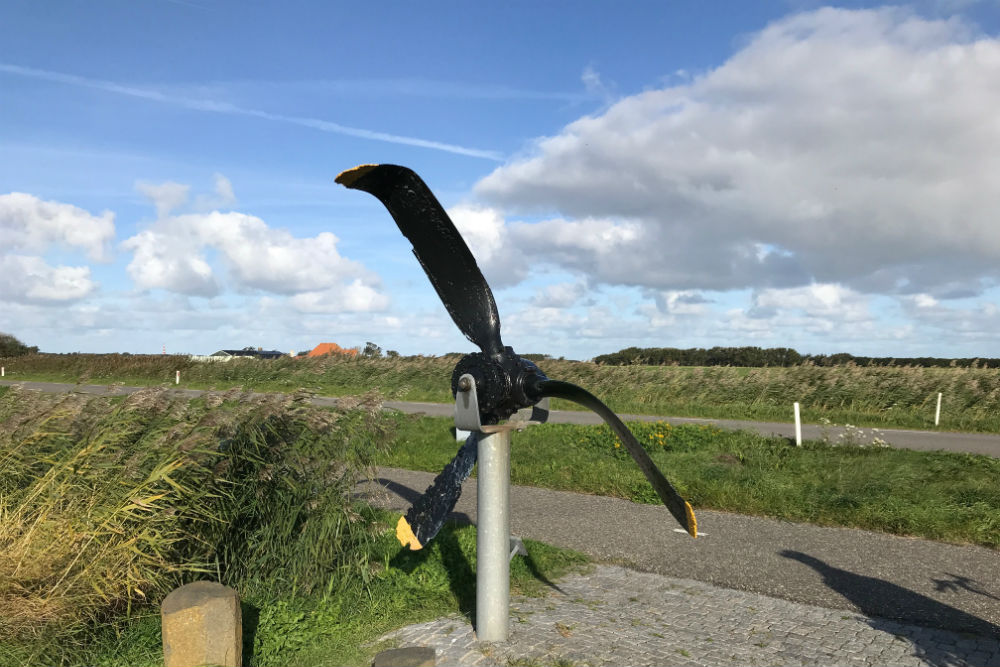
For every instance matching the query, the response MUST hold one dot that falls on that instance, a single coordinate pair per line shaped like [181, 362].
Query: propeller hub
[503, 383]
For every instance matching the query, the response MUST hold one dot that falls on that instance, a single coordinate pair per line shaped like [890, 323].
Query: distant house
[332, 348]
[254, 352]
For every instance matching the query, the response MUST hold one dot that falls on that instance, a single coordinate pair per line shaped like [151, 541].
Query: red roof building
[332, 348]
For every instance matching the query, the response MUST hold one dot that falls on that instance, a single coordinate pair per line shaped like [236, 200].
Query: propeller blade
[677, 506]
[425, 517]
[438, 246]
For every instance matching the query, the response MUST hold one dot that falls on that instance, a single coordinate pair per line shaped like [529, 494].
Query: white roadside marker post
[937, 414]
[177, 378]
[3, 371]
[798, 426]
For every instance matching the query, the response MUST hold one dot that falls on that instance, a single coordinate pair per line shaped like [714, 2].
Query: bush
[12, 347]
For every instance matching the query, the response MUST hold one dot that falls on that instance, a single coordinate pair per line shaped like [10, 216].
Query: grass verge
[935, 495]
[314, 630]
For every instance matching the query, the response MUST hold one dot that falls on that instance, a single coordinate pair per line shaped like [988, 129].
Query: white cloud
[680, 302]
[224, 190]
[28, 223]
[815, 318]
[484, 230]
[507, 252]
[168, 257]
[174, 254]
[223, 197]
[166, 197]
[30, 228]
[850, 147]
[825, 305]
[29, 279]
[973, 325]
[594, 85]
[355, 297]
[559, 295]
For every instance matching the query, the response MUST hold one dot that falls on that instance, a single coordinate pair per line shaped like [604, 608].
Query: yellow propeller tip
[405, 535]
[349, 177]
[691, 520]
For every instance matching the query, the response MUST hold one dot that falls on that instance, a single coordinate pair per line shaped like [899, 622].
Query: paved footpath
[616, 616]
[750, 591]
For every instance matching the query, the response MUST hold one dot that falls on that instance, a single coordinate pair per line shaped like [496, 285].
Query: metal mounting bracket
[516, 548]
[467, 412]
[536, 414]
[467, 406]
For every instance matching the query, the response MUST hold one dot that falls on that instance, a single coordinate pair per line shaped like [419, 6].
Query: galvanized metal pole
[493, 537]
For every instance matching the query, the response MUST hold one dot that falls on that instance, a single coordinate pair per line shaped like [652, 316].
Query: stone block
[202, 625]
[414, 656]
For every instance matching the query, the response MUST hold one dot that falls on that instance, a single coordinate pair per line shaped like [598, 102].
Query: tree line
[770, 356]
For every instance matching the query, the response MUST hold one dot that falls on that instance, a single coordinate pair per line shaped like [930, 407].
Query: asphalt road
[973, 443]
[911, 580]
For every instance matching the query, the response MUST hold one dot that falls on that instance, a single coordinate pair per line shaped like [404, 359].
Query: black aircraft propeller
[504, 382]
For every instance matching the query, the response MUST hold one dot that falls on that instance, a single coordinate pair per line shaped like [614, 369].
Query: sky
[651, 174]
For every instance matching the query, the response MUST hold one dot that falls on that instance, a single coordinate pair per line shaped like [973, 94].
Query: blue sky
[647, 173]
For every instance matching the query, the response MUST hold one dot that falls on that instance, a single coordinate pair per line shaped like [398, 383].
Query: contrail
[231, 109]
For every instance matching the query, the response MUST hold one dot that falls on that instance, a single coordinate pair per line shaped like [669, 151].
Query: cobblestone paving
[615, 616]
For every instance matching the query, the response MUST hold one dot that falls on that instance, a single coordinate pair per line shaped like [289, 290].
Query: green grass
[899, 397]
[935, 495]
[108, 503]
[404, 587]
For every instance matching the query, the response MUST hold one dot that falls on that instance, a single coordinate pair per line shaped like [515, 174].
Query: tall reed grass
[871, 396]
[106, 504]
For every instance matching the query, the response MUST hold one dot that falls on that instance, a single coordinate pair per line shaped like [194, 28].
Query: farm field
[891, 397]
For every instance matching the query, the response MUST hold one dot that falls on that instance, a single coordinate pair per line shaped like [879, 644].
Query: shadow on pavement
[957, 581]
[881, 601]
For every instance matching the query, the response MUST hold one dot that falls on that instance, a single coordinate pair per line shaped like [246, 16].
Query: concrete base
[202, 625]
[414, 656]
